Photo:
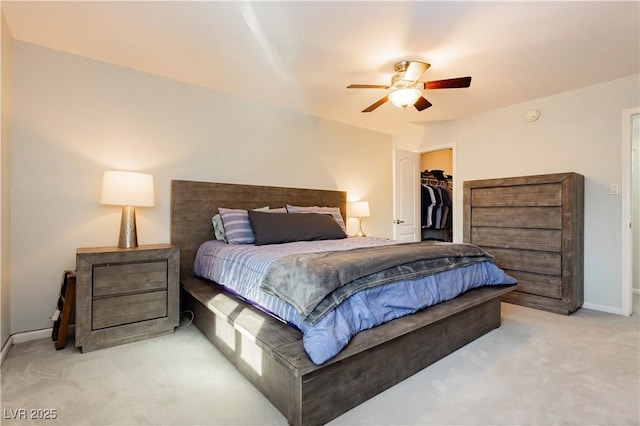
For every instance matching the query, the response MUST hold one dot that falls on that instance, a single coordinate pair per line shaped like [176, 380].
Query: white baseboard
[602, 308]
[27, 336]
[6, 348]
[609, 309]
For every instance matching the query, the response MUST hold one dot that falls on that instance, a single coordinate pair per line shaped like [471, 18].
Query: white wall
[75, 117]
[578, 131]
[5, 182]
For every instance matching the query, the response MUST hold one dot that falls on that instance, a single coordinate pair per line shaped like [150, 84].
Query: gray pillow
[333, 211]
[285, 228]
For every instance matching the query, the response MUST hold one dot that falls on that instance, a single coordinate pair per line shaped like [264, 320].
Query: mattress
[242, 268]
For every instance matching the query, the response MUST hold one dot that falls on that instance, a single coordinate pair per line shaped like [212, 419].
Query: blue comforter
[242, 268]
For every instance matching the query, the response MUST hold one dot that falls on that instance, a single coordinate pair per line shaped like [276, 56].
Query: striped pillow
[237, 228]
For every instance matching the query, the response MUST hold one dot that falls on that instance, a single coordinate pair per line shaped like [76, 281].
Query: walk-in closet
[436, 206]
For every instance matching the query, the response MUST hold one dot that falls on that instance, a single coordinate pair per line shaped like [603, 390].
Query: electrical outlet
[614, 189]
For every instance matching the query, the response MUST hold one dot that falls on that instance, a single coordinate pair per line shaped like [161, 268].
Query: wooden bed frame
[271, 355]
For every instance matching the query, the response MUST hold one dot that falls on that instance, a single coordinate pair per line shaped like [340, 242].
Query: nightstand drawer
[119, 310]
[121, 278]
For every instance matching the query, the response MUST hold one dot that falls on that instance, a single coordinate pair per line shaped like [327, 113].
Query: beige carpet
[538, 368]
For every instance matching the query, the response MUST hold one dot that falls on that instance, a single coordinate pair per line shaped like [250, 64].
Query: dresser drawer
[537, 262]
[119, 310]
[518, 238]
[517, 217]
[118, 278]
[518, 195]
[540, 284]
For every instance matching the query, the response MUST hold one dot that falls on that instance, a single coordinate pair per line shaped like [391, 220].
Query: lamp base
[360, 232]
[128, 234]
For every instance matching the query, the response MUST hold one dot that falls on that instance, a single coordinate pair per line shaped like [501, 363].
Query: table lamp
[127, 189]
[360, 209]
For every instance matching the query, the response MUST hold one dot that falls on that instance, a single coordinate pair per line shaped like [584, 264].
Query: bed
[272, 355]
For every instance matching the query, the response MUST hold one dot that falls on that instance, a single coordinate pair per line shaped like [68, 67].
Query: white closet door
[406, 186]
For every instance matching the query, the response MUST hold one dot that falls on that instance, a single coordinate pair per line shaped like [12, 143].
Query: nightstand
[125, 295]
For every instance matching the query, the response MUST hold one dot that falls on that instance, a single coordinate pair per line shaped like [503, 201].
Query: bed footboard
[270, 354]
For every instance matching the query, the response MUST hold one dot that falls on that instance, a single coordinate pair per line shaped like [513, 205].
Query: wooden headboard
[194, 203]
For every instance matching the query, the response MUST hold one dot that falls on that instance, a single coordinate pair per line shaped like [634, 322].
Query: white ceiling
[302, 55]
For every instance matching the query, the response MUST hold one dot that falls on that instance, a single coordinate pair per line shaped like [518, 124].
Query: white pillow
[218, 228]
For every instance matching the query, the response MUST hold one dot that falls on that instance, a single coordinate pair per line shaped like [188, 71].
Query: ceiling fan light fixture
[405, 89]
[402, 98]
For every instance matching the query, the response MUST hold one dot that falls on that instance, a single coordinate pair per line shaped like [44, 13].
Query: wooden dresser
[534, 227]
[124, 295]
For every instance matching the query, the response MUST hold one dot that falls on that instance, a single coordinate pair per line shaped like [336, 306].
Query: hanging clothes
[436, 206]
[447, 213]
[427, 205]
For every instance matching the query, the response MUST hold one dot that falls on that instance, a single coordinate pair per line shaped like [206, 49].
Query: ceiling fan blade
[422, 103]
[451, 83]
[376, 105]
[415, 70]
[367, 86]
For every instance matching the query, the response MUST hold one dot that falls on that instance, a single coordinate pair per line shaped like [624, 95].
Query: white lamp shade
[127, 189]
[402, 98]
[360, 209]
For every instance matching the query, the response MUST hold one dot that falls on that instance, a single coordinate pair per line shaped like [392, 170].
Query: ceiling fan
[407, 90]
